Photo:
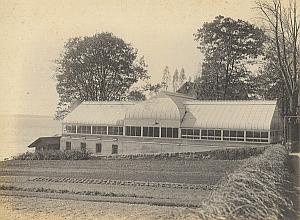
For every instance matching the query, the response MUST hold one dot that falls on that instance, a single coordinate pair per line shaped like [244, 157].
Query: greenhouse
[169, 122]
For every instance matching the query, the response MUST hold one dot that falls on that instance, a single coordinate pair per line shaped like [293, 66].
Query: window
[114, 149]
[99, 130]
[84, 129]
[98, 148]
[70, 128]
[169, 132]
[132, 131]
[210, 134]
[68, 145]
[150, 131]
[257, 136]
[190, 133]
[83, 147]
[233, 135]
[115, 130]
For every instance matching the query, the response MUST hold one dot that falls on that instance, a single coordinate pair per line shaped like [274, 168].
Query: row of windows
[189, 133]
[228, 135]
[98, 147]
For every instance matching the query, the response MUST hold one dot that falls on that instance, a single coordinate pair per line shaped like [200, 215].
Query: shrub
[257, 190]
[54, 155]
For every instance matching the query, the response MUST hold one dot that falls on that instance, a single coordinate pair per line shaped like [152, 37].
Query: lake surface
[19, 131]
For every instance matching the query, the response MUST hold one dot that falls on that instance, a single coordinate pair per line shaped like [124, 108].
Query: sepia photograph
[150, 109]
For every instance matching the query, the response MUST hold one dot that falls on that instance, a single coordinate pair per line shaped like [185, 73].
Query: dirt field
[107, 189]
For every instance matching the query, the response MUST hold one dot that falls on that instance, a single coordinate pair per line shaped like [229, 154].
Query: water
[19, 131]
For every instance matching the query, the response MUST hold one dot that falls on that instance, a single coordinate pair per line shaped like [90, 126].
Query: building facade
[169, 122]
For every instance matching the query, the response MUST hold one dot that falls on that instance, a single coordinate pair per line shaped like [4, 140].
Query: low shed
[46, 143]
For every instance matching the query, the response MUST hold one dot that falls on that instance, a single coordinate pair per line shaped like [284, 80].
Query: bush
[260, 189]
[54, 155]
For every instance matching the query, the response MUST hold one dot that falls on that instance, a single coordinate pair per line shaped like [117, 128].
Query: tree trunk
[293, 123]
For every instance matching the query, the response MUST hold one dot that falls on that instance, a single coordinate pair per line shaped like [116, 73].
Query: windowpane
[264, 134]
[120, 130]
[204, 132]
[190, 131]
[257, 134]
[150, 131]
[163, 132]
[211, 133]
[169, 132]
[183, 131]
[226, 133]
[145, 131]
[197, 132]
[110, 130]
[98, 148]
[127, 131]
[217, 132]
[249, 134]
[114, 149]
[156, 132]
[137, 131]
[240, 134]
[175, 132]
[232, 133]
[68, 145]
[132, 131]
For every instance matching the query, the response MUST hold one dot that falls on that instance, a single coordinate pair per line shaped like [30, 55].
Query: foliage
[54, 155]
[97, 68]
[166, 78]
[283, 25]
[175, 80]
[152, 88]
[136, 95]
[257, 190]
[182, 77]
[228, 46]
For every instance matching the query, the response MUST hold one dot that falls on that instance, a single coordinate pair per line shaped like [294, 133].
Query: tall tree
[175, 80]
[228, 45]
[97, 68]
[182, 77]
[166, 79]
[282, 26]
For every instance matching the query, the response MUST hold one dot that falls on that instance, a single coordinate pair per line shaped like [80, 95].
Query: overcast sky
[33, 34]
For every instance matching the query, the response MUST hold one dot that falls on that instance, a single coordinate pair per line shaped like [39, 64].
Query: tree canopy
[97, 68]
[228, 45]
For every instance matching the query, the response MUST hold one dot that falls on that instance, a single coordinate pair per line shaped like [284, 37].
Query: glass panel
[226, 133]
[114, 149]
[264, 134]
[156, 132]
[98, 148]
[127, 131]
[120, 130]
[138, 131]
[183, 131]
[169, 132]
[163, 132]
[211, 133]
[217, 132]
[197, 132]
[145, 131]
[175, 132]
[132, 131]
[249, 134]
[190, 131]
[204, 132]
[232, 133]
[110, 130]
[257, 134]
[240, 134]
[150, 131]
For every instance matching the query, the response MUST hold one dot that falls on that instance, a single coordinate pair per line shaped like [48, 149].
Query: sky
[33, 34]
